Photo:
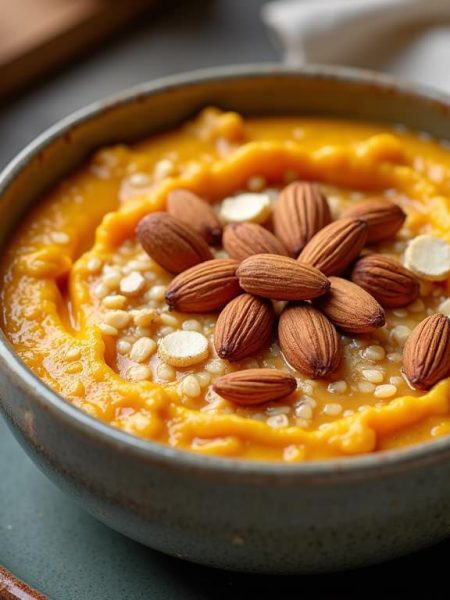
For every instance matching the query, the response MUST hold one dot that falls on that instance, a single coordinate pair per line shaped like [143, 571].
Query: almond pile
[291, 265]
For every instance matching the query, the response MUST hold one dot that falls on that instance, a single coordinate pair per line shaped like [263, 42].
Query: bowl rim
[320, 471]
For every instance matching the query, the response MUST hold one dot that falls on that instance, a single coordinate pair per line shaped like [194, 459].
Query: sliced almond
[255, 386]
[244, 327]
[351, 308]
[383, 217]
[205, 287]
[280, 278]
[195, 212]
[386, 279]
[335, 246]
[300, 211]
[428, 257]
[242, 240]
[426, 355]
[309, 341]
[246, 207]
[183, 348]
[171, 243]
[444, 307]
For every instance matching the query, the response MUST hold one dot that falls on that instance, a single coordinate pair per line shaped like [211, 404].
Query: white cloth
[408, 38]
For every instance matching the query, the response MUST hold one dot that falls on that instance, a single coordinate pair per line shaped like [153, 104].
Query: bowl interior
[153, 107]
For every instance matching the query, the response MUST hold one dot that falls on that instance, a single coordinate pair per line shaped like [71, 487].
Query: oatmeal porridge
[265, 289]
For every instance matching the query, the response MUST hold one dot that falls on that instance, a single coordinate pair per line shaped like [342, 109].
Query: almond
[244, 327]
[242, 240]
[309, 341]
[351, 308]
[171, 243]
[255, 386]
[383, 217]
[300, 211]
[280, 278]
[205, 287]
[426, 355]
[386, 279]
[197, 213]
[335, 246]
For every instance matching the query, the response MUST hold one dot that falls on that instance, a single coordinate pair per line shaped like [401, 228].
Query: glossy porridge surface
[84, 305]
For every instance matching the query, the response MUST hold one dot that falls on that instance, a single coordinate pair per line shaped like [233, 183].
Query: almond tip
[379, 319]
[362, 222]
[170, 300]
[225, 352]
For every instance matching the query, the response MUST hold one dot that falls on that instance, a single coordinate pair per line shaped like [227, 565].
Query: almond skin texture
[336, 246]
[383, 217]
[426, 355]
[280, 278]
[386, 279]
[255, 386]
[205, 287]
[244, 327]
[350, 308]
[197, 213]
[171, 243]
[309, 341]
[299, 213]
[242, 240]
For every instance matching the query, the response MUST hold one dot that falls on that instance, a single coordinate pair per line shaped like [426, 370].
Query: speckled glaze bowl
[248, 516]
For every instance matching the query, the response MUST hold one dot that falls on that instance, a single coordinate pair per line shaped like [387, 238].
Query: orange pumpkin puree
[51, 301]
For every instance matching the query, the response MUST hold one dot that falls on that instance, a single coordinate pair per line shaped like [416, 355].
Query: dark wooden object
[37, 36]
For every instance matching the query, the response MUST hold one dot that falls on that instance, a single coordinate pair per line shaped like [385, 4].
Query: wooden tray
[37, 36]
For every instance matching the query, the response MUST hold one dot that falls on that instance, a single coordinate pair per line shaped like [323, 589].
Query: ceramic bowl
[248, 516]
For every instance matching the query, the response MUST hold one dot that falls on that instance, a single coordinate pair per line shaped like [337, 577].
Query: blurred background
[58, 55]
[46, 80]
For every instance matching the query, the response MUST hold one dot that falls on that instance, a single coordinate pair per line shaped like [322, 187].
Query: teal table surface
[56, 547]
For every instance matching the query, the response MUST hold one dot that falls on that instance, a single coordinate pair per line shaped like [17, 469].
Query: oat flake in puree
[85, 306]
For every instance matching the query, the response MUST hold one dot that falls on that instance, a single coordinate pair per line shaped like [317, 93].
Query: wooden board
[37, 36]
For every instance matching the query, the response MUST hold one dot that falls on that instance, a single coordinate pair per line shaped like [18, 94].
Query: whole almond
[255, 386]
[335, 246]
[205, 287]
[244, 327]
[300, 211]
[426, 355]
[242, 240]
[194, 211]
[350, 307]
[386, 279]
[383, 217]
[171, 243]
[309, 341]
[280, 278]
